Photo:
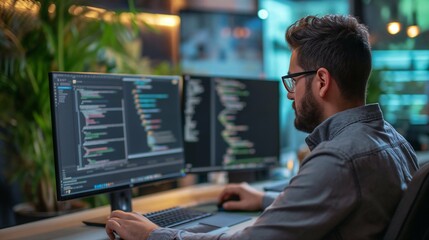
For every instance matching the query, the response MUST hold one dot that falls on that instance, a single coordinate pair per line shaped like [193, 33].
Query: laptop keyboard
[171, 217]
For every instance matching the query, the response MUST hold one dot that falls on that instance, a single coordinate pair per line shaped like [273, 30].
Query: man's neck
[340, 106]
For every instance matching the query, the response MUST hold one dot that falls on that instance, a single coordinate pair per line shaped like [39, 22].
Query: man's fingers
[124, 215]
[233, 205]
[232, 189]
[112, 226]
[117, 214]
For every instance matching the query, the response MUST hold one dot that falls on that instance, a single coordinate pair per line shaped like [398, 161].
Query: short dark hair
[338, 43]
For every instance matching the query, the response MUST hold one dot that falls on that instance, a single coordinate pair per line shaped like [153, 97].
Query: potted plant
[37, 37]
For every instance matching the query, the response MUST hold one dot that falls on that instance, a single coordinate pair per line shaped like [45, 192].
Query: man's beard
[310, 114]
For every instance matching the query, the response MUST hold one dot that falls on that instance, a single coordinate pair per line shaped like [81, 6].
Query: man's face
[308, 112]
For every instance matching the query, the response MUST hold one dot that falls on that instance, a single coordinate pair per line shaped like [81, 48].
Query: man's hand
[250, 199]
[129, 225]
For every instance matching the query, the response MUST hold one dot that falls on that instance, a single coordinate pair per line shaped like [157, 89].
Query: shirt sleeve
[268, 199]
[318, 199]
[176, 234]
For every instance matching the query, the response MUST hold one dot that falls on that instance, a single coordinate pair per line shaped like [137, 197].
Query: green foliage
[374, 90]
[33, 43]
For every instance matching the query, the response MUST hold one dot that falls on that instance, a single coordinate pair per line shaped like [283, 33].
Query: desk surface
[70, 226]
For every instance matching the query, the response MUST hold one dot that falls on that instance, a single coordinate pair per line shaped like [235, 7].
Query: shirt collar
[332, 126]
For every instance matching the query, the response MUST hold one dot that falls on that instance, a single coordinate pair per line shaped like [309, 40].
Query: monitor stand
[119, 200]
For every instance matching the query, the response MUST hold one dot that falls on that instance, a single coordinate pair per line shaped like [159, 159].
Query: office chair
[411, 218]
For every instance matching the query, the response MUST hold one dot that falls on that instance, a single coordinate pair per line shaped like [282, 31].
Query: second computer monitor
[230, 123]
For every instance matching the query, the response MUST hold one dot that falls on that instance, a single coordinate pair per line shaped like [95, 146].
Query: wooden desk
[70, 226]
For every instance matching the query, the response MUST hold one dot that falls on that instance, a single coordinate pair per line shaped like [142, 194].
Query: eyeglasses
[290, 83]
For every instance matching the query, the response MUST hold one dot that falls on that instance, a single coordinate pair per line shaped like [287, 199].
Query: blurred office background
[245, 38]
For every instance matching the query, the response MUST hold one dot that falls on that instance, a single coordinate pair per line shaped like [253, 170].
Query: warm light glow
[75, 10]
[21, 5]
[52, 8]
[393, 27]
[413, 31]
[94, 12]
[125, 18]
[241, 32]
[108, 16]
[95, 9]
[290, 164]
[159, 19]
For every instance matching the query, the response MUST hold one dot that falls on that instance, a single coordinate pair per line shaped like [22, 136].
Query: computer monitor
[113, 132]
[230, 123]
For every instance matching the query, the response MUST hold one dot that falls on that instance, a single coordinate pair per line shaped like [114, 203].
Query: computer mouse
[233, 197]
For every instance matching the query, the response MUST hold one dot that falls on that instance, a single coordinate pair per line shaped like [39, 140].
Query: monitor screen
[114, 132]
[222, 43]
[230, 123]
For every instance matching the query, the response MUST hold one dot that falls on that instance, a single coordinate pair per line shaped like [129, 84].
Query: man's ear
[324, 81]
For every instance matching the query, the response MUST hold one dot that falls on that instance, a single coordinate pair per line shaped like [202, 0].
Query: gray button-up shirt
[347, 188]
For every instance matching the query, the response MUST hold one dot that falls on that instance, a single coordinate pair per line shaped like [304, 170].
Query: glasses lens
[289, 84]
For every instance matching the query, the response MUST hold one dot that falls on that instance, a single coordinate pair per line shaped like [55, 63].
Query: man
[350, 183]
